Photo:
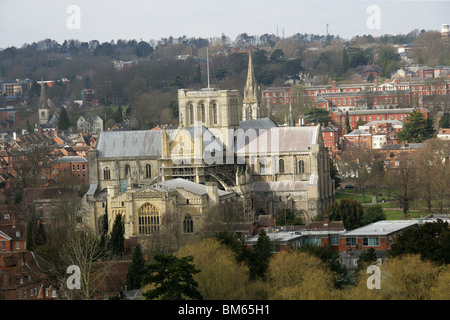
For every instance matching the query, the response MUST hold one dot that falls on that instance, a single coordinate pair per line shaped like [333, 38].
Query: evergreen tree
[444, 122]
[172, 278]
[40, 237]
[348, 128]
[29, 245]
[136, 271]
[373, 214]
[348, 210]
[117, 240]
[416, 129]
[431, 241]
[63, 120]
[367, 257]
[260, 256]
[345, 62]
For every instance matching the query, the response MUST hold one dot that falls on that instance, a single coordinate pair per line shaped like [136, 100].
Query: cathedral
[222, 155]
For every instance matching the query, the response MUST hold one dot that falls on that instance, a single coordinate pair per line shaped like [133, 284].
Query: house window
[188, 224]
[301, 167]
[149, 219]
[350, 242]
[281, 165]
[107, 174]
[314, 241]
[148, 171]
[371, 242]
[3, 246]
[84, 167]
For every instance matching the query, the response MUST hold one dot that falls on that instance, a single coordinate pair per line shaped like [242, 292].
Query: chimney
[325, 220]
[212, 190]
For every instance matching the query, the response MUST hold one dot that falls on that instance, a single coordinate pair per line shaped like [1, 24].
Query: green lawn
[393, 212]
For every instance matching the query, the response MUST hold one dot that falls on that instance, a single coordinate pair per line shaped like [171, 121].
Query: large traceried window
[149, 219]
[188, 224]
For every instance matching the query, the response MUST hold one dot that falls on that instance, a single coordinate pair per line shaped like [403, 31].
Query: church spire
[250, 109]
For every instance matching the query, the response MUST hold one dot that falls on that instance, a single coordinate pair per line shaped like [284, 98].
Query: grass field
[391, 208]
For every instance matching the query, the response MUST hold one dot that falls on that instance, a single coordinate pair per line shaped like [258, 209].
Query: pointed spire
[250, 92]
[291, 118]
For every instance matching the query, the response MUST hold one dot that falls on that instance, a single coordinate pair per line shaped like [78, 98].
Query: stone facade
[212, 158]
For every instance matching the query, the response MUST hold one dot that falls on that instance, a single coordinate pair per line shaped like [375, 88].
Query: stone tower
[250, 107]
[44, 112]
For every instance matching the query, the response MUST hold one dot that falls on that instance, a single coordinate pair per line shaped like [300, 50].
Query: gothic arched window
[148, 170]
[214, 113]
[149, 219]
[281, 166]
[188, 224]
[106, 174]
[191, 114]
[301, 167]
[127, 170]
[202, 113]
[262, 166]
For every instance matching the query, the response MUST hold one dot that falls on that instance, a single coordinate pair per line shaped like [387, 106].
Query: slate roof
[282, 139]
[140, 143]
[263, 123]
[187, 185]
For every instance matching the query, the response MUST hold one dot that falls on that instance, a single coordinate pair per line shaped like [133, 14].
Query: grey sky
[27, 21]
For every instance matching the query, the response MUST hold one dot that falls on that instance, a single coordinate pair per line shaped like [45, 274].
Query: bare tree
[404, 183]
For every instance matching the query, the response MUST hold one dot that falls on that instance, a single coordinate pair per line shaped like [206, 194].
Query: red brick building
[363, 116]
[21, 277]
[12, 231]
[358, 139]
[379, 235]
[68, 166]
[278, 96]
[331, 139]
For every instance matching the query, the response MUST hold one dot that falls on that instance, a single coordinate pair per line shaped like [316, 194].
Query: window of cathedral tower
[202, 113]
[214, 109]
[191, 114]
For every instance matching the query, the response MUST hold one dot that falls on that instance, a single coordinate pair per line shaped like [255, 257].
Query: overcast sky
[27, 21]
